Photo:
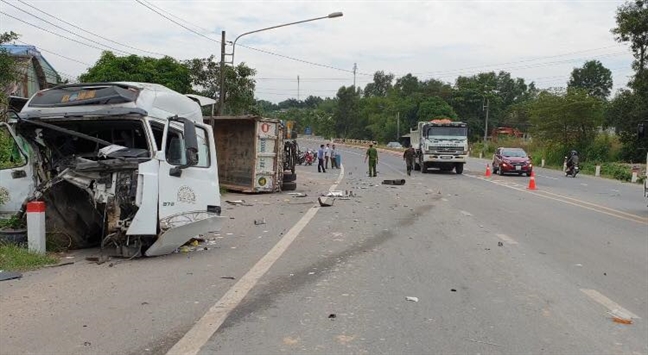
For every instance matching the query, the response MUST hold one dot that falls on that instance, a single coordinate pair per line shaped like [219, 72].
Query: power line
[84, 30]
[56, 54]
[176, 22]
[176, 17]
[54, 33]
[64, 29]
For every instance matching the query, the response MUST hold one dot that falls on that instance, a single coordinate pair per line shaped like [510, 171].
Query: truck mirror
[191, 143]
[641, 130]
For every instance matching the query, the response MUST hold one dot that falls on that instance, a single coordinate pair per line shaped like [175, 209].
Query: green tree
[569, 119]
[632, 26]
[435, 107]
[625, 111]
[594, 78]
[8, 71]
[381, 85]
[165, 71]
[348, 122]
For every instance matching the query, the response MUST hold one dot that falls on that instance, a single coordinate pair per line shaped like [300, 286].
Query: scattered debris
[8, 275]
[605, 274]
[259, 221]
[453, 290]
[324, 204]
[482, 342]
[61, 264]
[239, 203]
[87, 343]
[332, 316]
[144, 303]
[620, 317]
[297, 194]
[412, 299]
[500, 244]
[334, 193]
[394, 182]
[228, 277]
[311, 273]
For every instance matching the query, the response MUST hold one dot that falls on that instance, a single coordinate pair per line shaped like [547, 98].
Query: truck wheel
[424, 168]
[417, 166]
[459, 168]
[289, 186]
[289, 177]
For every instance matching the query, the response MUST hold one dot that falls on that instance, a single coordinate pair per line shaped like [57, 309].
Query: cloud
[438, 39]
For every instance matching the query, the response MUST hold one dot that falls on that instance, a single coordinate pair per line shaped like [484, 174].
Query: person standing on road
[408, 156]
[372, 156]
[334, 164]
[327, 155]
[320, 160]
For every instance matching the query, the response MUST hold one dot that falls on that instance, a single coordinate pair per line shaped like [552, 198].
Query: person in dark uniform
[372, 156]
[408, 156]
[320, 160]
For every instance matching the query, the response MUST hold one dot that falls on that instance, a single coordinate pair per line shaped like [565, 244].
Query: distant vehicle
[512, 160]
[394, 145]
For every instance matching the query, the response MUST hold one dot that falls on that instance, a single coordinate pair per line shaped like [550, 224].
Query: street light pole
[221, 104]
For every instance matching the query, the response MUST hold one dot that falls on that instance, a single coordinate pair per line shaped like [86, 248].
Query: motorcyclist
[572, 160]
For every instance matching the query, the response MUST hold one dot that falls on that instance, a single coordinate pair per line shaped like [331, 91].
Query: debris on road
[61, 264]
[258, 222]
[500, 244]
[239, 203]
[412, 299]
[334, 193]
[332, 316]
[298, 194]
[324, 204]
[620, 317]
[453, 290]
[228, 277]
[394, 182]
[8, 275]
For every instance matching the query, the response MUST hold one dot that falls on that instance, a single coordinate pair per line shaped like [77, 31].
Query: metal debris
[228, 277]
[394, 182]
[324, 204]
[239, 203]
[412, 299]
[258, 222]
[8, 275]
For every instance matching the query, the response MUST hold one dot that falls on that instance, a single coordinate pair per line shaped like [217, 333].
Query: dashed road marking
[208, 324]
[608, 303]
[506, 238]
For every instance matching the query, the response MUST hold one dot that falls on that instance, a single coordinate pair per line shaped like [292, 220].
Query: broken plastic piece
[412, 299]
[259, 221]
[394, 182]
[332, 316]
[239, 202]
[324, 204]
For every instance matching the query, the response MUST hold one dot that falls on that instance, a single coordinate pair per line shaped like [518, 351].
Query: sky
[540, 41]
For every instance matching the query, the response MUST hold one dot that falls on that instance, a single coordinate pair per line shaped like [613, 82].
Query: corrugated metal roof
[32, 51]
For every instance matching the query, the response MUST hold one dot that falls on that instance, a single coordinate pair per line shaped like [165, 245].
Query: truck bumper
[445, 158]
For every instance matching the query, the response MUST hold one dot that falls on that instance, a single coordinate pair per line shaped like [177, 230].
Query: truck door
[186, 189]
[16, 171]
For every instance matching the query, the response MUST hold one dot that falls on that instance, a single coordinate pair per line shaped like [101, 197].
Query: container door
[266, 156]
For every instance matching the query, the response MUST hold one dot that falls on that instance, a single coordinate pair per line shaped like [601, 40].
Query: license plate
[518, 167]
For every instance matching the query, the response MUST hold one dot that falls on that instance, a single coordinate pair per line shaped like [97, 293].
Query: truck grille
[447, 149]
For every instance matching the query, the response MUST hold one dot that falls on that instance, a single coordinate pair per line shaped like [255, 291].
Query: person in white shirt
[327, 155]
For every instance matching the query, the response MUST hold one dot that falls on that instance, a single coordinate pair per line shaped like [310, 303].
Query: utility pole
[397, 125]
[355, 68]
[297, 87]
[486, 107]
[221, 100]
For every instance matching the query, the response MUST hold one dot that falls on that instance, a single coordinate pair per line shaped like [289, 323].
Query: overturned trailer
[128, 166]
[253, 154]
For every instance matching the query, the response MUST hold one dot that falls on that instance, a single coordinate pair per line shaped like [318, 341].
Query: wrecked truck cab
[127, 166]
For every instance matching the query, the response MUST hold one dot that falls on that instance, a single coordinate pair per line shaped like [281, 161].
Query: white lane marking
[199, 334]
[608, 303]
[548, 177]
[466, 213]
[506, 238]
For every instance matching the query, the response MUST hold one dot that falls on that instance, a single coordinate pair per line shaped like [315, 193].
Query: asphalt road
[494, 268]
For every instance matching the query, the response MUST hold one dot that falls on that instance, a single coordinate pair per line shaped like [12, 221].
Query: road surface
[443, 264]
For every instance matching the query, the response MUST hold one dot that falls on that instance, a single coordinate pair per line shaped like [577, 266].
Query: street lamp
[223, 54]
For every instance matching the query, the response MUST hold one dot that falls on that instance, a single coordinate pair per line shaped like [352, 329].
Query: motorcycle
[309, 157]
[572, 170]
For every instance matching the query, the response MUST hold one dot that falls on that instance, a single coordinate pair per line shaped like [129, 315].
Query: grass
[18, 258]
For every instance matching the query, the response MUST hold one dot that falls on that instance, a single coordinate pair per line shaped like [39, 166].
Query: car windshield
[514, 153]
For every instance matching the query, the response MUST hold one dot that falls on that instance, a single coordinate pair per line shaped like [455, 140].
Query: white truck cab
[123, 165]
[441, 144]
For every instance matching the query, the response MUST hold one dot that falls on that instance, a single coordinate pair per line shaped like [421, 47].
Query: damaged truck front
[127, 166]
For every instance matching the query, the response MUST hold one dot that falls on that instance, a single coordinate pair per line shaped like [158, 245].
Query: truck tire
[289, 186]
[459, 169]
[424, 168]
[289, 177]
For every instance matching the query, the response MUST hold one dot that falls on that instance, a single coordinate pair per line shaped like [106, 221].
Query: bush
[604, 148]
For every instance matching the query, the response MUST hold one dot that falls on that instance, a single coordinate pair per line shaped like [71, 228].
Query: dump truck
[254, 155]
[441, 144]
[127, 166]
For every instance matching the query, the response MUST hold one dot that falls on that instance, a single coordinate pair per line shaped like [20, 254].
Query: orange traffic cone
[488, 171]
[532, 185]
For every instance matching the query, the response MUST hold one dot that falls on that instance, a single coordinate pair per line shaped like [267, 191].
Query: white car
[394, 145]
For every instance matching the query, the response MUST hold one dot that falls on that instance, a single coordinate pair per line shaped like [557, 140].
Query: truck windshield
[447, 131]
